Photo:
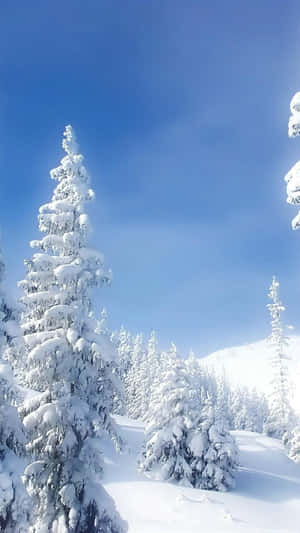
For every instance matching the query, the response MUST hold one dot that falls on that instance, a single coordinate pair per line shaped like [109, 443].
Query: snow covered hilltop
[249, 365]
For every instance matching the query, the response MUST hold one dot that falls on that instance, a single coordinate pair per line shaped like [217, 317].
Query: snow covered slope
[250, 365]
[266, 498]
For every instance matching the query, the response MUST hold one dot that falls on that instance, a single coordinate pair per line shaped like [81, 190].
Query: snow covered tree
[248, 410]
[222, 405]
[111, 389]
[164, 454]
[134, 381]
[194, 372]
[12, 347]
[183, 441]
[14, 502]
[154, 372]
[142, 391]
[213, 452]
[258, 411]
[158, 364]
[280, 411]
[293, 444]
[292, 178]
[124, 350]
[67, 363]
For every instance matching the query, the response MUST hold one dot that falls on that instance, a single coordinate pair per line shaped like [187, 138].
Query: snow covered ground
[266, 498]
[249, 365]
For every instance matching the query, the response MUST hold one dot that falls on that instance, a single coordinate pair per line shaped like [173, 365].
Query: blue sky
[181, 111]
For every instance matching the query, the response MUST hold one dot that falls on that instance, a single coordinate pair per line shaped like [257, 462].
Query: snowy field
[266, 498]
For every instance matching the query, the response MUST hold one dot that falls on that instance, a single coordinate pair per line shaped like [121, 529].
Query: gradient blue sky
[181, 110]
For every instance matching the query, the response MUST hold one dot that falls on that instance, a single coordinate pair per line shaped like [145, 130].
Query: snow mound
[266, 498]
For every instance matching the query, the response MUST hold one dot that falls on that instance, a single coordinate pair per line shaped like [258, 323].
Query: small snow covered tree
[67, 363]
[14, 502]
[195, 372]
[111, 386]
[280, 411]
[124, 350]
[293, 444]
[158, 364]
[164, 454]
[13, 348]
[248, 410]
[184, 442]
[142, 391]
[154, 371]
[223, 399]
[134, 381]
[213, 452]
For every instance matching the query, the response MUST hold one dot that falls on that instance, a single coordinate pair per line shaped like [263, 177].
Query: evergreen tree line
[142, 367]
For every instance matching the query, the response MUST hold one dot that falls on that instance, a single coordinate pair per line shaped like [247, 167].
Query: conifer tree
[164, 455]
[222, 399]
[143, 382]
[293, 444]
[280, 411]
[213, 452]
[124, 351]
[152, 378]
[111, 386]
[184, 442]
[195, 373]
[134, 382]
[158, 364]
[14, 502]
[66, 363]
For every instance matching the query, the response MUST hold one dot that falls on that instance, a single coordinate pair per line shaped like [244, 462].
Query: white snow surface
[250, 365]
[266, 498]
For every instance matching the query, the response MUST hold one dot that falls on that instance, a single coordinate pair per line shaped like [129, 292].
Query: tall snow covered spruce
[280, 411]
[67, 363]
[14, 502]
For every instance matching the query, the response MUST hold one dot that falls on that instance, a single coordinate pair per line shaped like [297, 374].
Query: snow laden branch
[292, 178]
